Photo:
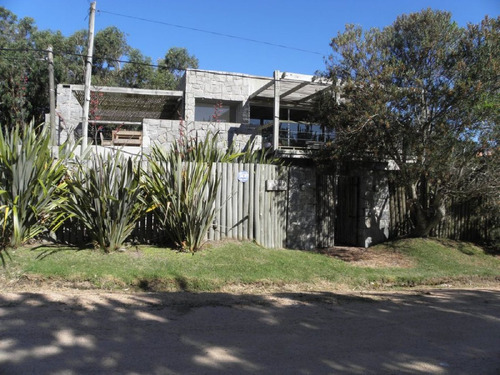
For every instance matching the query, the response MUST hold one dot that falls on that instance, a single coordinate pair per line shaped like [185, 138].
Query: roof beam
[128, 90]
[262, 89]
[309, 97]
[294, 89]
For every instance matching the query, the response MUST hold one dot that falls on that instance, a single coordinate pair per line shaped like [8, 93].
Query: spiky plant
[183, 195]
[106, 197]
[31, 183]
[182, 188]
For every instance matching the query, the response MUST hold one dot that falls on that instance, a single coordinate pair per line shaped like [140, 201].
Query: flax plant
[183, 188]
[106, 197]
[31, 184]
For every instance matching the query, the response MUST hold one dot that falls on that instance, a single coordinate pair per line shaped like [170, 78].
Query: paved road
[432, 332]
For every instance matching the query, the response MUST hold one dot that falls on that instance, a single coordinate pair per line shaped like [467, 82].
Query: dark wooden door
[347, 212]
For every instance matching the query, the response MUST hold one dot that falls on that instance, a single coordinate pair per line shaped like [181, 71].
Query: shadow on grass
[452, 331]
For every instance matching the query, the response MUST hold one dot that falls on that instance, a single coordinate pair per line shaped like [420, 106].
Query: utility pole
[52, 97]
[88, 74]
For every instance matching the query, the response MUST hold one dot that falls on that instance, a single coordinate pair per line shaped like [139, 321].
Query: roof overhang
[298, 90]
[130, 105]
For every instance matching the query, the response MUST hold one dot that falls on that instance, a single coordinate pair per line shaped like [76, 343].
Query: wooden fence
[259, 203]
[463, 220]
[251, 204]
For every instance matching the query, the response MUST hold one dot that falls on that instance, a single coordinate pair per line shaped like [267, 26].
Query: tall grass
[31, 184]
[183, 188]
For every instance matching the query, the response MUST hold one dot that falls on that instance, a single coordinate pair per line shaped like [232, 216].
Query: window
[215, 111]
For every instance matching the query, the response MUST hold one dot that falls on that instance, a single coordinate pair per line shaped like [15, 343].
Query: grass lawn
[247, 266]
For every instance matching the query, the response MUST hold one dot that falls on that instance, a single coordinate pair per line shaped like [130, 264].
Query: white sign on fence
[243, 176]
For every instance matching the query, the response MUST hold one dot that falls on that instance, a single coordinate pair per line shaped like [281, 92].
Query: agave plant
[31, 184]
[106, 197]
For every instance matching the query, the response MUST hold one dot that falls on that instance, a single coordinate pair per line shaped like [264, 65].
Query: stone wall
[302, 209]
[69, 113]
[231, 87]
[197, 84]
[165, 132]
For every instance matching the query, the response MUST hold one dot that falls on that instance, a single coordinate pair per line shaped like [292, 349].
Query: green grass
[248, 265]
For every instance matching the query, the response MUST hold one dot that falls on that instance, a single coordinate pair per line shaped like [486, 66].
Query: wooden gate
[347, 213]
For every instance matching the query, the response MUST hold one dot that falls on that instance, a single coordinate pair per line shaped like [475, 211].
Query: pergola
[130, 106]
[290, 89]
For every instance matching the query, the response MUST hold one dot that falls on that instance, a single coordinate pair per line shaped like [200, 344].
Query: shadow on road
[441, 332]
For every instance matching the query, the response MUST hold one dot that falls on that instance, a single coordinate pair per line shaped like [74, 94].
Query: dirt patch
[368, 257]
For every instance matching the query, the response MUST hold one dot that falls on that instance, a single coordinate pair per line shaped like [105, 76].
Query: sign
[276, 185]
[243, 176]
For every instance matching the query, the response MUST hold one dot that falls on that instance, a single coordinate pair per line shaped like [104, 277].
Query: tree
[24, 85]
[138, 72]
[178, 59]
[110, 46]
[171, 69]
[423, 93]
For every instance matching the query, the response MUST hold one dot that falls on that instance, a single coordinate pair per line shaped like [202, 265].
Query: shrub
[183, 195]
[31, 184]
[106, 197]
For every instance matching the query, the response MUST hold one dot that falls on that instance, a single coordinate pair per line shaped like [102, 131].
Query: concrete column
[276, 124]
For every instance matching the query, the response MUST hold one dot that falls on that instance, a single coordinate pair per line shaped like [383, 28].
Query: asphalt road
[87, 332]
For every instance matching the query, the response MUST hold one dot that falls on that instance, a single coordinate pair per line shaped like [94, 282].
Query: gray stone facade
[197, 86]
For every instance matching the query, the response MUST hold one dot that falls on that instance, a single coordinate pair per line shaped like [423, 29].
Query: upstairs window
[214, 111]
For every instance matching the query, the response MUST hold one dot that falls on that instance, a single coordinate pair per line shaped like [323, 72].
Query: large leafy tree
[110, 46]
[424, 94]
[170, 69]
[138, 72]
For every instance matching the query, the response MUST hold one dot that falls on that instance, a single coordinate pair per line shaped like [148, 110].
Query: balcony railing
[301, 135]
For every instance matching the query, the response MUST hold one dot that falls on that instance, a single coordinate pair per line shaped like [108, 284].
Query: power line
[211, 32]
[63, 53]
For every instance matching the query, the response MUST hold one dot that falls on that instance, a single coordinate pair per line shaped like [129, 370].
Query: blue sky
[297, 24]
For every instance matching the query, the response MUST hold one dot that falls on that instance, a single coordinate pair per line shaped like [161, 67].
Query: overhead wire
[209, 32]
[62, 53]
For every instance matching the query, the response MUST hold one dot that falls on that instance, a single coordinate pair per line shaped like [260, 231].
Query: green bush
[106, 197]
[183, 195]
[31, 184]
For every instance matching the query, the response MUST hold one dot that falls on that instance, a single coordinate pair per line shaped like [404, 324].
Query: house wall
[197, 84]
[212, 85]
[166, 132]
[227, 87]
